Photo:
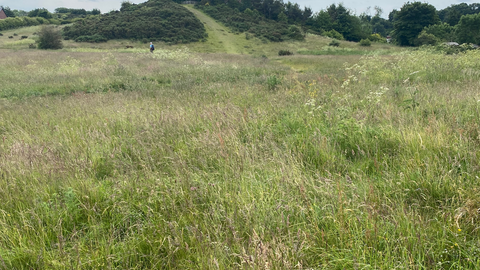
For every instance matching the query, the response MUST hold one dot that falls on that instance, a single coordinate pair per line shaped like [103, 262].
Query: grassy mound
[161, 20]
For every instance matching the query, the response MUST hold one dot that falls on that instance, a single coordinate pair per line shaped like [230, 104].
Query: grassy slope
[220, 38]
[182, 160]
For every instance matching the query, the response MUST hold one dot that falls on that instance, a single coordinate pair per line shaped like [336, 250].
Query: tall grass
[134, 161]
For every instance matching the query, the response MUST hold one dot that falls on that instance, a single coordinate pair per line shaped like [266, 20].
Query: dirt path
[218, 34]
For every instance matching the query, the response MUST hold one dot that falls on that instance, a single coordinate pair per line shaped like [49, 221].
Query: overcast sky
[357, 6]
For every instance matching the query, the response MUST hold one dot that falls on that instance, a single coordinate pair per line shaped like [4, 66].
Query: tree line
[19, 18]
[416, 23]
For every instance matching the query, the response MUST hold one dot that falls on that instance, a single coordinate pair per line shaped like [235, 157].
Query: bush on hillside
[284, 53]
[334, 43]
[294, 32]
[376, 38]
[365, 43]
[426, 39]
[444, 32]
[333, 34]
[49, 38]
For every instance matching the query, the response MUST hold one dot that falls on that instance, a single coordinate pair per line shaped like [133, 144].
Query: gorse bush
[333, 34]
[334, 43]
[365, 43]
[284, 52]
[49, 38]
[376, 38]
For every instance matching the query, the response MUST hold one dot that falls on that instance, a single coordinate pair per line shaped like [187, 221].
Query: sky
[357, 6]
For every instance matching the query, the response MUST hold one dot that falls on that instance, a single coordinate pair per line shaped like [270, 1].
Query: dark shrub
[24, 37]
[49, 38]
[426, 39]
[365, 43]
[334, 43]
[333, 34]
[284, 52]
[294, 32]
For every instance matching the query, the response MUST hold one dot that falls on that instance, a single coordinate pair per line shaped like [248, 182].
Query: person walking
[152, 48]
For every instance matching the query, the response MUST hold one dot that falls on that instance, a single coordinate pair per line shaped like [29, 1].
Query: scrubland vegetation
[122, 159]
[153, 20]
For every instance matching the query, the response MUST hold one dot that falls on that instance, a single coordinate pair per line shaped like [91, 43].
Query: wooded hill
[161, 20]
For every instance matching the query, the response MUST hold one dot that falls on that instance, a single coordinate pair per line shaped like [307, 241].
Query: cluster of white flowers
[351, 78]
[312, 106]
[375, 97]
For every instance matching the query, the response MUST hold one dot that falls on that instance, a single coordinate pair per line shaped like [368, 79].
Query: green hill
[161, 20]
[252, 22]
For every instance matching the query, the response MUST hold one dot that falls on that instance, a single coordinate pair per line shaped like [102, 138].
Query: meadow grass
[181, 160]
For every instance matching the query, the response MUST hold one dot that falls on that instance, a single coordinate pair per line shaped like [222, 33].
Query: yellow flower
[459, 230]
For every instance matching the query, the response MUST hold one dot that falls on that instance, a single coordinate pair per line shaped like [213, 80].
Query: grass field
[114, 158]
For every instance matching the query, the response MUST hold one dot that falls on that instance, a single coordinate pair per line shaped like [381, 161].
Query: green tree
[426, 39]
[468, 29]
[281, 17]
[346, 24]
[8, 11]
[40, 12]
[392, 15]
[453, 13]
[321, 22]
[20, 13]
[62, 10]
[410, 21]
[442, 31]
[293, 12]
[49, 38]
